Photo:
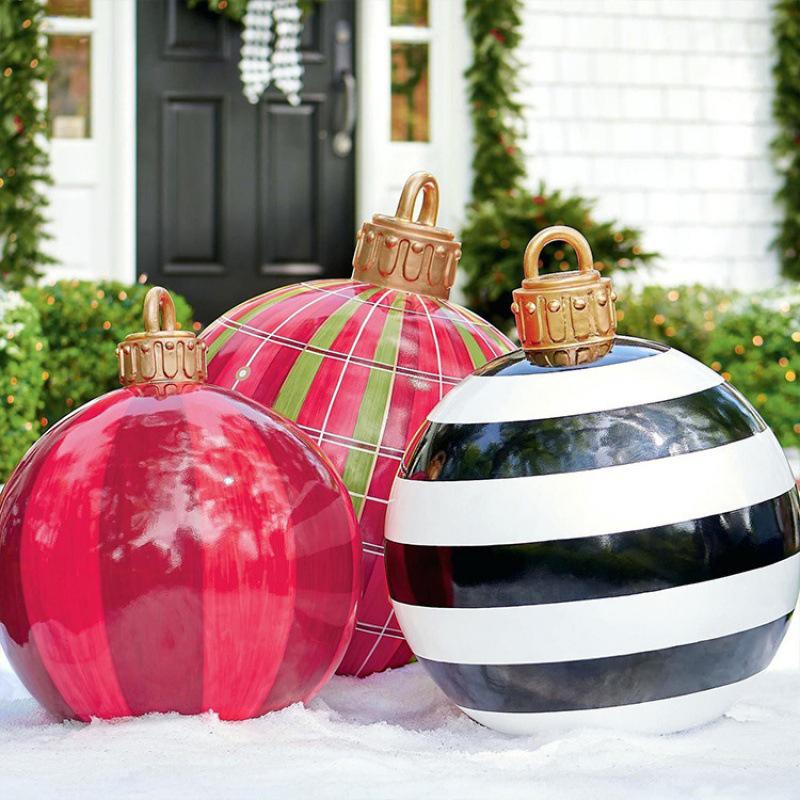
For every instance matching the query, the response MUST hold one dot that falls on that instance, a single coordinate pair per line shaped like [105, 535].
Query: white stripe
[544, 395]
[591, 502]
[611, 626]
[657, 716]
[335, 355]
[436, 345]
[343, 370]
[273, 333]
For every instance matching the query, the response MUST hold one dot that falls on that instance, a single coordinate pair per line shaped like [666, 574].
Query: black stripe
[625, 348]
[612, 681]
[485, 451]
[564, 570]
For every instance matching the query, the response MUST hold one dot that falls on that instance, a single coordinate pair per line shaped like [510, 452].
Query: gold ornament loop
[412, 255]
[161, 354]
[159, 311]
[419, 182]
[557, 233]
[566, 318]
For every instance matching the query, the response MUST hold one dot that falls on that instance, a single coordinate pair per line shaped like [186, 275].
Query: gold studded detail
[555, 338]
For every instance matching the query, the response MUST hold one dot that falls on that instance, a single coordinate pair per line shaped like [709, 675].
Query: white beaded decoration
[270, 51]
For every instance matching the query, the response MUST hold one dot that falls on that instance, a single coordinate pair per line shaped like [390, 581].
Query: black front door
[234, 199]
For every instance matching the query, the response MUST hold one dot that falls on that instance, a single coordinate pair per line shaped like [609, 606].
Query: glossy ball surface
[615, 544]
[357, 367]
[181, 551]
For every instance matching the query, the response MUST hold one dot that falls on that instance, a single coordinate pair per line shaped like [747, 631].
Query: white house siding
[661, 110]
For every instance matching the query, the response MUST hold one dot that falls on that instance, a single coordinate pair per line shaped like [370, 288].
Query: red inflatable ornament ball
[173, 546]
[358, 364]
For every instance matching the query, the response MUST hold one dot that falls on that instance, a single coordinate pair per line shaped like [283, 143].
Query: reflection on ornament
[358, 364]
[172, 546]
[592, 531]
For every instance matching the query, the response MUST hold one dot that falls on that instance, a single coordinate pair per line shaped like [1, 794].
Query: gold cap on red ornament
[161, 353]
[409, 254]
[566, 318]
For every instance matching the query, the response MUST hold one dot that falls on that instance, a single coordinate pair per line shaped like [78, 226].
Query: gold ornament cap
[409, 254]
[566, 318]
[161, 354]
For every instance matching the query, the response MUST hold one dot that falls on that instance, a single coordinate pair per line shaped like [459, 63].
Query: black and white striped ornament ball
[593, 530]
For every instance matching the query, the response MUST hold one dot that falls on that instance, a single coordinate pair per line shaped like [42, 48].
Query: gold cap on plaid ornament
[413, 255]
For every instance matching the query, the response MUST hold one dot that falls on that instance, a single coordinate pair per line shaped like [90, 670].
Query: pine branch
[24, 159]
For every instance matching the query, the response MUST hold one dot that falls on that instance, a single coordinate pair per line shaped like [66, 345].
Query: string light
[758, 340]
[123, 295]
[796, 336]
[673, 295]
[106, 325]
[790, 375]
[726, 375]
[659, 319]
[716, 366]
[783, 361]
[739, 349]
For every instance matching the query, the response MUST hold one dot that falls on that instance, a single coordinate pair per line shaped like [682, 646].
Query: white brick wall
[660, 109]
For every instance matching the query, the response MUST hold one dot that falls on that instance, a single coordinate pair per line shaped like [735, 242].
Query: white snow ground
[394, 736]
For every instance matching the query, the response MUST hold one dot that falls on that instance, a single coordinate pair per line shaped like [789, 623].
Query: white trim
[658, 716]
[123, 197]
[610, 626]
[94, 186]
[590, 502]
[382, 165]
[547, 395]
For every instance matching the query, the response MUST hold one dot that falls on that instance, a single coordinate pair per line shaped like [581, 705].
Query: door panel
[235, 199]
[190, 185]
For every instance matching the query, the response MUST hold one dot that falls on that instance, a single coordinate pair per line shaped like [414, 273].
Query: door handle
[343, 138]
[343, 68]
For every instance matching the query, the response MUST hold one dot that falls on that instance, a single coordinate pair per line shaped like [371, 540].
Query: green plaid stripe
[360, 464]
[269, 300]
[298, 382]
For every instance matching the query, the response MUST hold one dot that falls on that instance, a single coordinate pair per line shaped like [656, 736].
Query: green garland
[235, 9]
[497, 163]
[24, 158]
[504, 215]
[786, 145]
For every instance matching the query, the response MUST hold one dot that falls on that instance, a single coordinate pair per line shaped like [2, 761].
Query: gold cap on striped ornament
[566, 318]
